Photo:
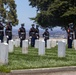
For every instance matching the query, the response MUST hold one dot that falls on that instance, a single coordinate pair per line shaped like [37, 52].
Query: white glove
[37, 37]
[70, 38]
[30, 37]
[7, 36]
[20, 37]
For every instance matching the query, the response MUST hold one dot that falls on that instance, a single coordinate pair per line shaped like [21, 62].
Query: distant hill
[54, 33]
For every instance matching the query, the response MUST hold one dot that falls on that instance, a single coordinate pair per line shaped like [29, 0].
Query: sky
[24, 12]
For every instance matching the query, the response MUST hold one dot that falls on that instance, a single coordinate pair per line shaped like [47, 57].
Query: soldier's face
[36, 27]
[22, 26]
[33, 26]
[46, 30]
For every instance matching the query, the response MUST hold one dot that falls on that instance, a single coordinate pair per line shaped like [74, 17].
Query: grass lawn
[17, 60]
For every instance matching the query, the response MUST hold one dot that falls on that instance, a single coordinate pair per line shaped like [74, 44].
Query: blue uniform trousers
[21, 42]
[9, 38]
[33, 41]
[1, 38]
[45, 42]
[70, 43]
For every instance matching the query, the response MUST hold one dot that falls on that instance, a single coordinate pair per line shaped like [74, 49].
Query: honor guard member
[46, 36]
[32, 34]
[1, 32]
[22, 34]
[75, 33]
[70, 35]
[37, 32]
[8, 32]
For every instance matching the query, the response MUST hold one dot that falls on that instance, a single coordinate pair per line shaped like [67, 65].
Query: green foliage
[57, 12]
[8, 11]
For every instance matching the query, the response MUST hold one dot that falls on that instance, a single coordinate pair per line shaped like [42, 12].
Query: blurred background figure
[37, 32]
[75, 32]
[70, 35]
[8, 31]
[46, 36]
[22, 34]
[32, 34]
[1, 32]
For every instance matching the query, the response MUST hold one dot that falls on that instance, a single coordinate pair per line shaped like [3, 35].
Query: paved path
[44, 71]
[47, 71]
[56, 73]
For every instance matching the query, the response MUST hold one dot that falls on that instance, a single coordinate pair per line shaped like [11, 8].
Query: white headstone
[53, 43]
[0, 41]
[29, 42]
[48, 44]
[75, 44]
[61, 49]
[41, 50]
[17, 42]
[64, 40]
[25, 47]
[4, 53]
[37, 43]
[11, 46]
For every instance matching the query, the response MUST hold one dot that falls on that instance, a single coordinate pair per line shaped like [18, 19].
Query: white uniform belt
[9, 31]
[37, 33]
[1, 30]
[33, 32]
[46, 36]
[22, 33]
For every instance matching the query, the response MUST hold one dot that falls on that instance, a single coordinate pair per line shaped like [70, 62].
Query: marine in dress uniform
[32, 34]
[46, 36]
[22, 34]
[75, 33]
[1, 32]
[8, 32]
[37, 32]
[70, 35]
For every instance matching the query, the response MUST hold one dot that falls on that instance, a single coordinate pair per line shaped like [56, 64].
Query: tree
[8, 11]
[54, 12]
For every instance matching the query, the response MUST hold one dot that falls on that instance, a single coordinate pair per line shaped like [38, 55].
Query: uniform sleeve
[3, 30]
[38, 33]
[48, 34]
[1, 25]
[43, 34]
[6, 30]
[30, 32]
[11, 27]
[25, 33]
